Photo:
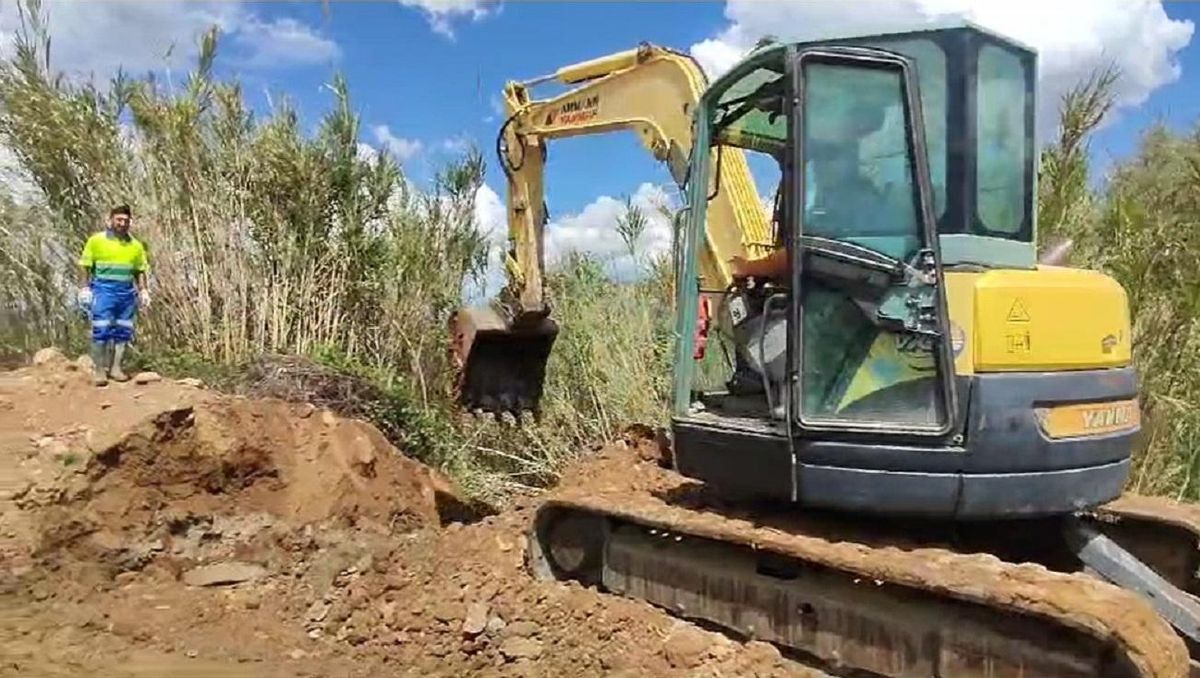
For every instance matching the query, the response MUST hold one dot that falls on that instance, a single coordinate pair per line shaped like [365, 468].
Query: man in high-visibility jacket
[112, 285]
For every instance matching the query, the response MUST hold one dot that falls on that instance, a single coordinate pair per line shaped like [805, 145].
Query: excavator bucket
[501, 364]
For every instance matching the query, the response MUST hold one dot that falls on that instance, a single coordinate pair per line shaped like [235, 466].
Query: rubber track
[1077, 601]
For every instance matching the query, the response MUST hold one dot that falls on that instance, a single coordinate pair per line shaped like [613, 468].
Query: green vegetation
[269, 242]
[1142, 230]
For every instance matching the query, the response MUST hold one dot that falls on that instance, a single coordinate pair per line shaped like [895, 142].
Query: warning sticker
[1018, 343]
[1017, 312]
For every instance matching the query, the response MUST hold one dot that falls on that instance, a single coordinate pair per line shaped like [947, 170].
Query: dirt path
[160, 529]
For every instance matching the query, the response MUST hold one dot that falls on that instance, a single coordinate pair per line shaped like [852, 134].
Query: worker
[112, 287]
[839, 201]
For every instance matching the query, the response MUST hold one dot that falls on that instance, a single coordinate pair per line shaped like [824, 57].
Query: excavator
[916, 465]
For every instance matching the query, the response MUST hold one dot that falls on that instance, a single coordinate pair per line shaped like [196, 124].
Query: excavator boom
[501, 349]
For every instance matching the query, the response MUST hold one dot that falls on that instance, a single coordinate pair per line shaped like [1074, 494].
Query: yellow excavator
[923, 473]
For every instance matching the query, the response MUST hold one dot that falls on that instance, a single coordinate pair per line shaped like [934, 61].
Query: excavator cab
[857, 218]
[863, 278]
[910, 356]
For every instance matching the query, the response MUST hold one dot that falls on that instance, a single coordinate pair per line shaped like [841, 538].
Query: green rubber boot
[115, 371]
[99, 363]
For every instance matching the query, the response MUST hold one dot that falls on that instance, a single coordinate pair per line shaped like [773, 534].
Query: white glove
[144, 299]
[84, 297]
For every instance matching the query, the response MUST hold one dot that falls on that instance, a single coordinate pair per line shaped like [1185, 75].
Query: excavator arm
[500, 350]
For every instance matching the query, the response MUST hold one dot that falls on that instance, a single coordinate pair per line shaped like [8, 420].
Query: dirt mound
[300, 380]
[242, 456]
[136, 470]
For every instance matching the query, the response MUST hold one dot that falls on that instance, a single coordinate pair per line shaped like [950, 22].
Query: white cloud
[97, 38]
[1072, 36]
[593, 231]
[442, 14]
[366, 152]
[283, 42]
[403, 149]
[491, 218]
[457, 144]
[491, 215]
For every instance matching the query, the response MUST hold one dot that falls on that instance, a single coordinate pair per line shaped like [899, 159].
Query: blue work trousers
[114, 307]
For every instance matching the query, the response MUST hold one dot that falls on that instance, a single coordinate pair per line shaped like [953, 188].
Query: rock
[106, 542]
[387, 612]
[328, 418]
[477, 619]
[364, 563]
[494, 624]
[521, 629]
[297, 654]
[314, 634]
[762, 652]
[317, 611]
[144, 378]
[6, 404]
[191, 382]
[686, 647]
[521, 648]
[192, 654]
[84, 363]
[447, 612]
[48, 355]
[223, 573]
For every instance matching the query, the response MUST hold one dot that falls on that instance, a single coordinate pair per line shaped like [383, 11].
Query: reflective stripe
[114, 271]
[125, 323]
[101, 323]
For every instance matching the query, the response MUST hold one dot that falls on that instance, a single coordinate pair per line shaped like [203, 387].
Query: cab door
[872, 348]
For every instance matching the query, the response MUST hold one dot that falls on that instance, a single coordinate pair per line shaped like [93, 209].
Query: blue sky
[431, 88]
[1176, 104]
[425, 75]
[438, 90]
[441, 90]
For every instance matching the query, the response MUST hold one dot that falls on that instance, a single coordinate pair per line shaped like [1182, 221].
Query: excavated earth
[158, 528]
